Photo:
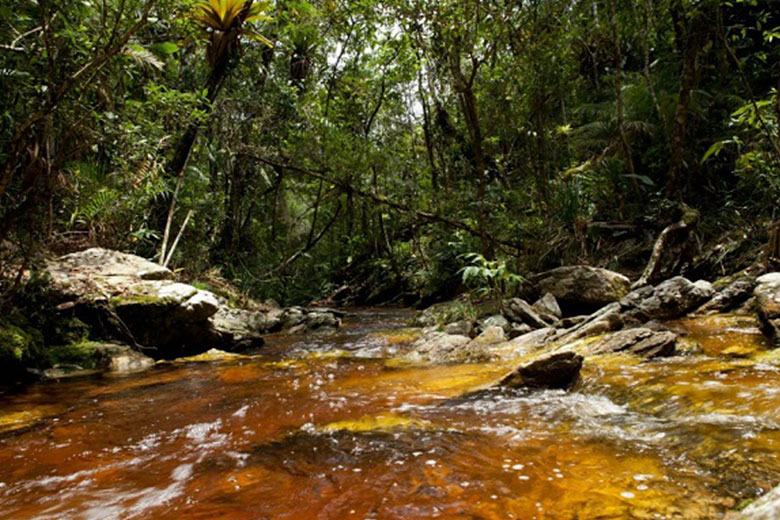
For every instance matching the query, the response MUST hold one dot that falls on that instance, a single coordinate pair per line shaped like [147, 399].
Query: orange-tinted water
[329, 428]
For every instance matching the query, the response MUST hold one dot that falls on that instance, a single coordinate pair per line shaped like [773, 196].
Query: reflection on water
[303, 433]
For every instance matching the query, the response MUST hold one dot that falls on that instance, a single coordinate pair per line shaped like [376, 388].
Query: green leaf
[714, 150]
[165, 48]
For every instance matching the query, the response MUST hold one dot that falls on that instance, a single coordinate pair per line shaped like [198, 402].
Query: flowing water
[333, 427]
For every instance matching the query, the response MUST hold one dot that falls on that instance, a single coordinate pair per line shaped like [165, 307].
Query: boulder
[243, 326]
[606, 319]
[518, 329]
[536, 339]
[455, 310]
[490, 336]
[200, 306]
[671, 299]
[767, 294]
[730, 297]
[552, 371]
[438, 347]
[132, 300]
[548, 305]
[497, 320]
[322, 319]
[520, 311]
[121, 359]
[292, 317]
[642, 342]
[460, 328]
[582, 287]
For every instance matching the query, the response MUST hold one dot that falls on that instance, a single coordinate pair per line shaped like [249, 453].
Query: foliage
[371, 144]
[489, 277]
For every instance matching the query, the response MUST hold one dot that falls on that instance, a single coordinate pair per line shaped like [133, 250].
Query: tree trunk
[693, 46]
[626, 147]
[465, 89]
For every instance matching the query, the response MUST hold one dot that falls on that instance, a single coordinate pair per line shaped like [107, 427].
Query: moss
[19, 343]
[81, 353]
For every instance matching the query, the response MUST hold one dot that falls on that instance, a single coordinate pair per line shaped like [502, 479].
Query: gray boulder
[519, 329]
[520, 311]
[552, 371]
[582, 287]
[548, 305]
[132, 300]
[121, 359]
[642, 342]
[497, 320]
[460, 328]
[606, 319]
[671, 299]
[322, 319]
[489, 336]
[535, 339]
[767, 294]
[730, 297]
[438, 347]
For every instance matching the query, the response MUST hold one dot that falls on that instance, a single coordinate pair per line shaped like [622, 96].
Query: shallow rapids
[333, 427]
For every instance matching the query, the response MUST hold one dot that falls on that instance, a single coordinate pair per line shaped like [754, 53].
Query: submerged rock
[765, 508]
[552, 371]
[582, 287]
[767, 294]
[640, 341]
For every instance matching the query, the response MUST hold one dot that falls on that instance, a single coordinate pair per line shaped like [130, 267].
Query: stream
[335, 427]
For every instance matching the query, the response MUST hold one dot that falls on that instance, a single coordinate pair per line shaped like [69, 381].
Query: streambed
[334, 427]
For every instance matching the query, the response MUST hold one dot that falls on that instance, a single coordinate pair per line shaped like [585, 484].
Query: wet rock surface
[643, 342]
[671, 299]
[767, 294]
[553, 371]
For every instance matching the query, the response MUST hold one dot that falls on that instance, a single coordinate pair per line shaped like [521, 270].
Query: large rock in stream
[559, 370]
[127, 298]
[582, 288]
[668, 300]
[767, 295]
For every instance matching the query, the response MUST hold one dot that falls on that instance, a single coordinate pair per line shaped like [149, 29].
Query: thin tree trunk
[626, 147]
[693, 46]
